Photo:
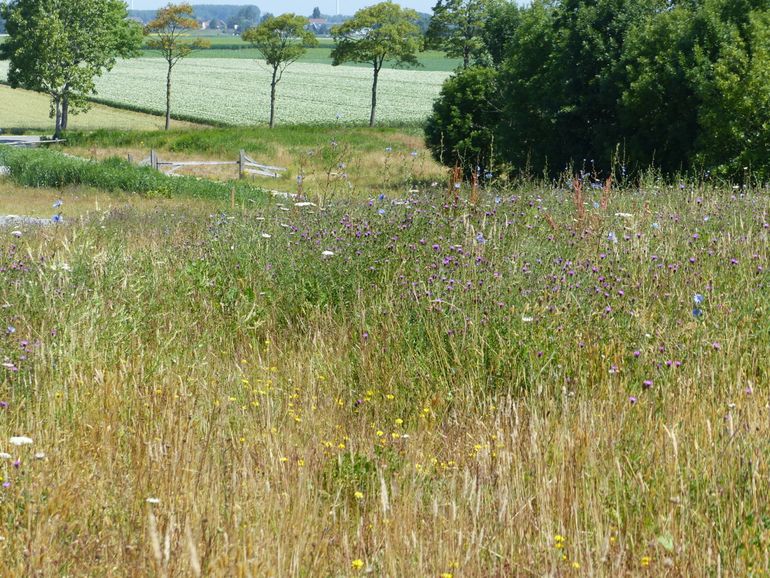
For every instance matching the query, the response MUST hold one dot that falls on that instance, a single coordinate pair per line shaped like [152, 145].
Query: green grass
[45, 168]
[259, 139]
[24, 109]
[504, 389]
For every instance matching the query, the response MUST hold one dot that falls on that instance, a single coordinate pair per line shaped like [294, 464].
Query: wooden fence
[246, 165]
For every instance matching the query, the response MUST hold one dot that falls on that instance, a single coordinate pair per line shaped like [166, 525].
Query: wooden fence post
[241, 163]
[153, 159]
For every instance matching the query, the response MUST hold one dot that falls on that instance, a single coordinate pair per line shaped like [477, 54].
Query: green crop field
[23, 109]
[430, 60]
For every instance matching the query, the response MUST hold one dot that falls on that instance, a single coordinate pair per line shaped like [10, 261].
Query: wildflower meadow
[544, 381]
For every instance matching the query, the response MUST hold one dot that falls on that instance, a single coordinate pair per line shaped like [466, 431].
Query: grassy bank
[392, 388]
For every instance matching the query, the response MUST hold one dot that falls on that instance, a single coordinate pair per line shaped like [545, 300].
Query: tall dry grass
[215, 397]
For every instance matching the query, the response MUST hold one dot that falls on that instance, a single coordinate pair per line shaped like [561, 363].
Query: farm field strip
[431, 60]
[237, 91]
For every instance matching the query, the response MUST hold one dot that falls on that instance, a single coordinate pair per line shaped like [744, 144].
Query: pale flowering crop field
[236, 91]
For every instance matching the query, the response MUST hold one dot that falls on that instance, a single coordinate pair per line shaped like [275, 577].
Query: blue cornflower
[58, 203]
[698, 299]
[697, 312]
[57, 218]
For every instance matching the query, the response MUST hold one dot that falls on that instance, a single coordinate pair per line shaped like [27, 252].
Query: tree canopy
[457, 28]
[59, 47]
[622, 85]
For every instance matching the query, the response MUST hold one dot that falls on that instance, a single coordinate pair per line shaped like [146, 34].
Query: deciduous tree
[59, 47]
[169, 34]
[457, 28]
[281, 41]
[375, 35]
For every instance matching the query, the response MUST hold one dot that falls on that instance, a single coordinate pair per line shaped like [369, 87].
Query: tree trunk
[65, 110]
[466, 55]
[374, 95]
[57, 125]
[168, 97]
[272, 98]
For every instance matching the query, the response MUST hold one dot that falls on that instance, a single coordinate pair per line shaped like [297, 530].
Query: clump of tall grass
[47, 168]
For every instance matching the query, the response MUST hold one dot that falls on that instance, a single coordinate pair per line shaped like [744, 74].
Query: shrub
[461, 129]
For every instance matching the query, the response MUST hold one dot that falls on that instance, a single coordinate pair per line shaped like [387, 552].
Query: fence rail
[26, 140]
[246, 165]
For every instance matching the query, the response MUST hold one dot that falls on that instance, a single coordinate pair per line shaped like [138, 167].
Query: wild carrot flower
[20, 440]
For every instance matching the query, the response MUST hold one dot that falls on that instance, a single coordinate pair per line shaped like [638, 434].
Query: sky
[304, 7]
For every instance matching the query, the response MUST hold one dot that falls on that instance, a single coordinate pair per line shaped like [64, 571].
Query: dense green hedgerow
[46, 168]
